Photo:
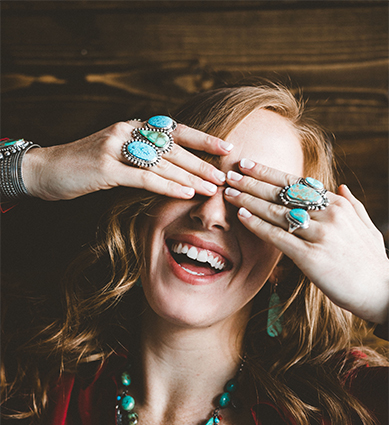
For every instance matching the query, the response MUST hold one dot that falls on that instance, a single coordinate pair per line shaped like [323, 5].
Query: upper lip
[201, 243]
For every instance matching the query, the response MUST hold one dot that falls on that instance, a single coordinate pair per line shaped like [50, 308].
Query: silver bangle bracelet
[12, 187]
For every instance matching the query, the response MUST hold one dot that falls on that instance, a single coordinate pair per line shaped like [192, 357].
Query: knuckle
[262, 171]
[120, 127]
[276, 210]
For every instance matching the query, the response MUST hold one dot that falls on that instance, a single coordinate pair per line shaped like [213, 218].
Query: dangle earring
[274, 319]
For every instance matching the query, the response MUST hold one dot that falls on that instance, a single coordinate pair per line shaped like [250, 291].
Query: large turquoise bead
[302, 193]
[128, 403]
[157, 137]
[160, 121]
[142, 151]
[299, 215]
[224, 400]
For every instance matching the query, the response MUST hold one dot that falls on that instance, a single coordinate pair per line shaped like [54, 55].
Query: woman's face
[202, 265]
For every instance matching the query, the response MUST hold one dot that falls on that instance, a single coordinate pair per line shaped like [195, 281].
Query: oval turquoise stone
[126, 379]
[142, 151]
[159, 139]
[316, 184]
[224, 400]
[302, 193]
[231, 386]
[160, 121]
[128, 403]
[299, 215]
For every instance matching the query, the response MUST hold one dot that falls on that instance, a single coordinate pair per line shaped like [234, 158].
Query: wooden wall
[72, 68]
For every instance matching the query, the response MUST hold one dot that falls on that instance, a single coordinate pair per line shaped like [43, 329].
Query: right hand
[96, 162]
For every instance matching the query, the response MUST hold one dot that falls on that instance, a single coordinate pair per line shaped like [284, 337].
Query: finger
[144, 179]
[198, 140]
[266, 174]
[274, 214]
[345, 192]
[286, 242]
[169, 171]
[253, 186]
[195, 165]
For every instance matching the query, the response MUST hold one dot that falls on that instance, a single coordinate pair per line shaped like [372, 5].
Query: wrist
[12, 152]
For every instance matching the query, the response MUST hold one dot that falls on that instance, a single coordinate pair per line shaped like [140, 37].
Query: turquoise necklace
[125, 405]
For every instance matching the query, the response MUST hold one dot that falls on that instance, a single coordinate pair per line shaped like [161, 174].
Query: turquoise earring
[274, 319]
[138, 283]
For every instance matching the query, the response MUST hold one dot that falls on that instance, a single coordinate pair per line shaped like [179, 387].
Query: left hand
[341, 252]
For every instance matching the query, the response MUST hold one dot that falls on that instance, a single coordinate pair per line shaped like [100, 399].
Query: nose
[213, 213]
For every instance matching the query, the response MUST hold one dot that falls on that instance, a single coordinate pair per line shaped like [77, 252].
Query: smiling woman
[214, 307]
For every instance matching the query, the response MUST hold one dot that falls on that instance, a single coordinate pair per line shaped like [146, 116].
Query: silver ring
[150, 142]
[298, 219]
[306, 193]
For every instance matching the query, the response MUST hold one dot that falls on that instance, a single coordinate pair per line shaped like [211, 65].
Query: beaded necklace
[125, 405]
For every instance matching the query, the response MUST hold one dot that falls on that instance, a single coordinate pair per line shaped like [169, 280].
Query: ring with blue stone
[162, 123]
[307, 193]
[313, 183]
[298, 219]
[159, 138]
[141, 153]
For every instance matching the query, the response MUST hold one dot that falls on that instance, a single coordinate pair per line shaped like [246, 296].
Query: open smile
[196, 260]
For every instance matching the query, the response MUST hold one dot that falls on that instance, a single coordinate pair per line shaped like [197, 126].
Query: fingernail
[230, 191]
[232, 175]
[247, 163]
[226, 146]
[220, 175]
[209, 186]
[244, 213]
[187, 190]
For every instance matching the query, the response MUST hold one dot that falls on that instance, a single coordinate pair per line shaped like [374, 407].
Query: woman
[195, 340]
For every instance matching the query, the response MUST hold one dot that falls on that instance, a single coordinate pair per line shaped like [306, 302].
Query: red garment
[91, 400]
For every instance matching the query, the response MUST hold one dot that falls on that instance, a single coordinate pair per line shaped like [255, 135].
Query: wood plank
[240, 38]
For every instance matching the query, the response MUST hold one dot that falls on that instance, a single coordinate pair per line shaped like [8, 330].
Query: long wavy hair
[304, 370]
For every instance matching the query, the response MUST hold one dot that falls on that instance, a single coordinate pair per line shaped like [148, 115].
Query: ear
[281, 270]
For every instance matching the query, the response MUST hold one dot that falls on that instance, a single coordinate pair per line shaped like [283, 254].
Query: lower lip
[188, 277]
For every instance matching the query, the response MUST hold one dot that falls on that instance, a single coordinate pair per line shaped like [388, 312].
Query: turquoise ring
[308, 193]
[150, 142]
[298, 219]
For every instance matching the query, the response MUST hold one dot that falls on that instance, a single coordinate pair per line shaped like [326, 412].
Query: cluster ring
[307, 193]
[150, 142]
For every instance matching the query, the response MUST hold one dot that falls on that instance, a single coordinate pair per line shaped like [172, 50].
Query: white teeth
[200, 255]
[192, 253]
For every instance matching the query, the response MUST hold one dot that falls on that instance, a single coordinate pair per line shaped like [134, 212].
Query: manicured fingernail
[220, 175]
[230, 191]
[226, 146]
[247, 163]
[209, 186]
[244, 213]
[232, 175]
[187, 190]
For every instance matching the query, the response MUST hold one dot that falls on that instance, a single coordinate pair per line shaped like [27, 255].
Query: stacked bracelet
[12, 151]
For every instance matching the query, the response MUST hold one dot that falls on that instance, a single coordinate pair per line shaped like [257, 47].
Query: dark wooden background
[72, 68]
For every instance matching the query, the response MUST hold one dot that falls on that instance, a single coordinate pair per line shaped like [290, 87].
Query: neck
[184, 369]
